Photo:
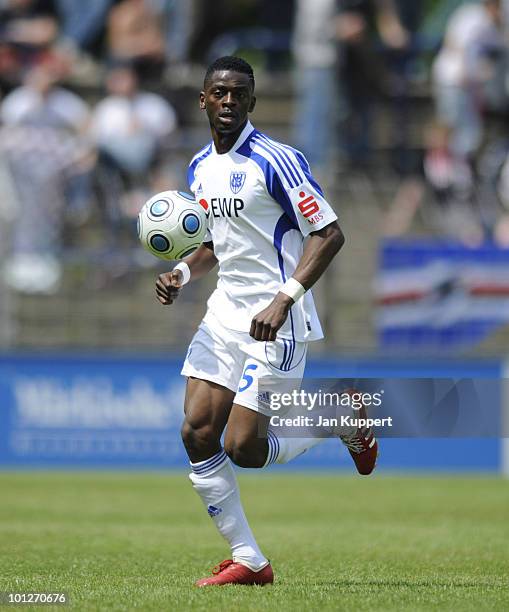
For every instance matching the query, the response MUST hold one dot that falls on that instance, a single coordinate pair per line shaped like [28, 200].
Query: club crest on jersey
[237, 180]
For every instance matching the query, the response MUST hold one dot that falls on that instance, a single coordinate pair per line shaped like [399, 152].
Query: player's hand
[269, 321]
[168, 286]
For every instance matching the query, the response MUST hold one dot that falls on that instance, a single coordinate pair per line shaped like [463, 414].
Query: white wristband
[186, 272]
[293, 289]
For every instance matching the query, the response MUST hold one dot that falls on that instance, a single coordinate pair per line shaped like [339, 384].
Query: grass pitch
[138, 541]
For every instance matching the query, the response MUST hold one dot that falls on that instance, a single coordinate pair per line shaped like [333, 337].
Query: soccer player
[273, 234]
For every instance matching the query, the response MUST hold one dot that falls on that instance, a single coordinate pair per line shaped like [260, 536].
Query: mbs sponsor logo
[309, 208]
[222, 207]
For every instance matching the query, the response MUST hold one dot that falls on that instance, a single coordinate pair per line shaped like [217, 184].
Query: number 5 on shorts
[247, 377]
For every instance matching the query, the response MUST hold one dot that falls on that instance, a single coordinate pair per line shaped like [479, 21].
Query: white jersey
[261, 202]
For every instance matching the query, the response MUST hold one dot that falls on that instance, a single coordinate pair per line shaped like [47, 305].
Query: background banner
[99, 411]
[440, 294]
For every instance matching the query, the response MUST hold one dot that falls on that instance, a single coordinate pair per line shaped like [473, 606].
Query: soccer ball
[171, 225]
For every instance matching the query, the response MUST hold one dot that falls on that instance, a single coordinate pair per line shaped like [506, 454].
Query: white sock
[283, 450]
[215, 482]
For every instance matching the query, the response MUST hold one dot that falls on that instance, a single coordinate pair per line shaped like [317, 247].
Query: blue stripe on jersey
[195, 161]
[278, 162]
[272, 180]
[280, 157]
[307, 172]
[288, 220]
[293, 338]
[285, 354]
[285, 151]
[200, 152]
[283, 226]
[279, 193]
[292, 353]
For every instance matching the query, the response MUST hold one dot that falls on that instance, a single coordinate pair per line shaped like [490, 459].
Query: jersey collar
[240, 140]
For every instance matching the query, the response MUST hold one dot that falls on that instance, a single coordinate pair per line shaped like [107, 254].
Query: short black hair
[230, 62]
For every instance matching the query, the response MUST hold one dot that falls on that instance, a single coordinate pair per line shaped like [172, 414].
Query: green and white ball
[171, 225]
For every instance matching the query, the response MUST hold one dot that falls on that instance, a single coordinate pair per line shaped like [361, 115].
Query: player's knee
[199, 438]
[243, 453]
[237, 453]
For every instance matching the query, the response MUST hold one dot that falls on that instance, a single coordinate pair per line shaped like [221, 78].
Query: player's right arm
[200, 263]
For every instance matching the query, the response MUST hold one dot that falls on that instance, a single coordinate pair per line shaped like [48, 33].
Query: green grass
[124, 541]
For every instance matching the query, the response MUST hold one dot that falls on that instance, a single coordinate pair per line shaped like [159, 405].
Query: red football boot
[229, 572]
[361, 445]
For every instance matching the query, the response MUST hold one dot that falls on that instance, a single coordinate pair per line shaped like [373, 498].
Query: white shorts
[234, 360]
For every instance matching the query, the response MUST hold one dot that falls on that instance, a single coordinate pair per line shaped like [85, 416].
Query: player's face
[228, 98]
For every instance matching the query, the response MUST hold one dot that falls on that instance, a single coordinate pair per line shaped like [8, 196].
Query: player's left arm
[319, 250]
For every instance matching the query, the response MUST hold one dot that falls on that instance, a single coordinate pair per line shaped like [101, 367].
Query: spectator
[179, 18]
[315, 60]
[362, 75]
[213, 19]
[401, 61]
[135, 35]
[474, 40]
[27, 30]
[42, 144]
[83, 22]
[449, 180]
[452, 182]
[494, 170]
[277, 18]
[130, 128]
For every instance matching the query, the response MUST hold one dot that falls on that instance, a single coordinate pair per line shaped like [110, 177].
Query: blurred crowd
[354, 56]
[87, 126]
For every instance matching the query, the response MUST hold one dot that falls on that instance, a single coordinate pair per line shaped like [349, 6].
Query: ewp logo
[213, 511]
[237, 180]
